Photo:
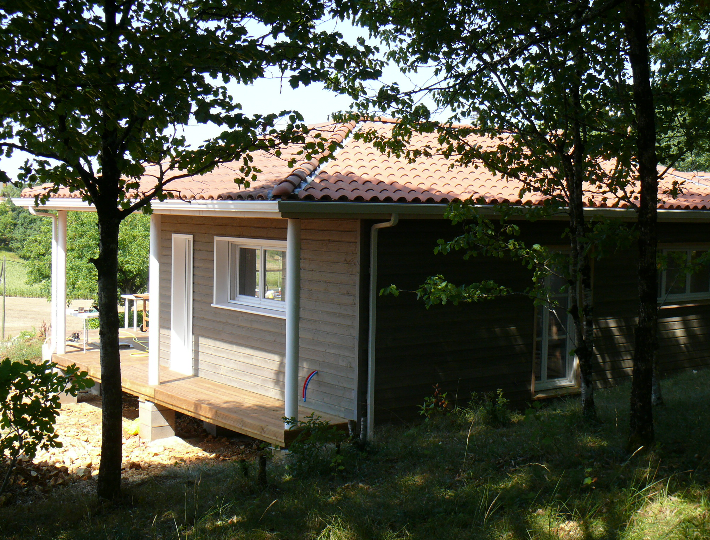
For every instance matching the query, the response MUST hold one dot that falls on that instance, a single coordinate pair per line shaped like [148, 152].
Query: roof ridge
[305, 168]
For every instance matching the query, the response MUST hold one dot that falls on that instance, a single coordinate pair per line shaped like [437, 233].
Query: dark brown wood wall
[479, 347]
[683, 328]
[486, 346]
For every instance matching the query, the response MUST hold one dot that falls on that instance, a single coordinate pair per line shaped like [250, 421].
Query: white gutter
[293, 307]
[330, 209]
[372, 324]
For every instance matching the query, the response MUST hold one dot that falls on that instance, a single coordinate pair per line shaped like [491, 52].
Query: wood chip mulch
[76, 463]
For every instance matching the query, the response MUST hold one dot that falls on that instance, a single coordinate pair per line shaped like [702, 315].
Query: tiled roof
[358, 172]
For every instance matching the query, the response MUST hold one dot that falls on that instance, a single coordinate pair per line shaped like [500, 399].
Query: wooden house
[264, 301]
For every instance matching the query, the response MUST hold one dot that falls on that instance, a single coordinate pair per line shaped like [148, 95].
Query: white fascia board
[267, 209]
[69, 204]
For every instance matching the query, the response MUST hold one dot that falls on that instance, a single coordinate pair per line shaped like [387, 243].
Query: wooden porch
[245, 412]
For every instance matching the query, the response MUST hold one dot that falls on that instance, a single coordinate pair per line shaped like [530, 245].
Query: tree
[82, 246]
[541, 85]
[548, 83]
[96, 91]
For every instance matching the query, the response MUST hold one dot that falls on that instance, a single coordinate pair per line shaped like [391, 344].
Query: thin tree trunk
[656, 394]
[641, 424]
[581, 259]
[109, 482]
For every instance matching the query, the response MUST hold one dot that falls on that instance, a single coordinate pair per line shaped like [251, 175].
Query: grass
[25, 346]
[17, 277]
[544, 475]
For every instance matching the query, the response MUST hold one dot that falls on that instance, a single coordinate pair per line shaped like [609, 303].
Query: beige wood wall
[247, 350]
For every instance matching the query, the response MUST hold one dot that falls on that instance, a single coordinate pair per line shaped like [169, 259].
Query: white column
[55, 285]
[154, 299]
[61, 281]
[293, 305]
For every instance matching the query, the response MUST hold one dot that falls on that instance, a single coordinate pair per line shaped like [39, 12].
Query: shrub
[436, 405]
[316, 449]
[489, 408]
[30, 405]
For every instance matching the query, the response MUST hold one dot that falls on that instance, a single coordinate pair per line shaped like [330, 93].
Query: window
[250, 275]
[686, 276]
[553, 365]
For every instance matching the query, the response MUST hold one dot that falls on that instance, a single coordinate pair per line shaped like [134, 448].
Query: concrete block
[66, 399]
[217, 431]
[156, 422]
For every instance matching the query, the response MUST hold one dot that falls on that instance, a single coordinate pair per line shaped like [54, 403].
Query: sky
[271, 95]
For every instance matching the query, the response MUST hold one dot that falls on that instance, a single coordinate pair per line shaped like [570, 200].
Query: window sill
[256, 310]
[557, 392]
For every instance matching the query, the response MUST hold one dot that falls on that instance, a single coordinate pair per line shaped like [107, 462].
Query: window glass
[249, 271]
[700, 275]
[675, 274]
[275, 274]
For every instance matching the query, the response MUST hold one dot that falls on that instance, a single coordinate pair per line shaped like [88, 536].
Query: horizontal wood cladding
[486, 346]
[470, 347]
[246, 350]
[683, 329]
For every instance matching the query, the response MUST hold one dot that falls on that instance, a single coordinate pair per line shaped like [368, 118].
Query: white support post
[293, 304]
[61, 281]
[55, 286]
[154, 299]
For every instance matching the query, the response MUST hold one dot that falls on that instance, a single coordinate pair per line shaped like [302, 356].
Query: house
[264, 300]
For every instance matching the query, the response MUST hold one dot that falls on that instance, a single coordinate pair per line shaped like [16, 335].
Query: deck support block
[156, 421]
[217, 431]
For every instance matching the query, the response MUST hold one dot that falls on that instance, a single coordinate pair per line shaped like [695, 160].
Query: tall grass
[543, 475]
[17, 278]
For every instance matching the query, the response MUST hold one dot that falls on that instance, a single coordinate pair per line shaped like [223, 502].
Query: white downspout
[154, 298]
[293, 306]
[53, 308]
[61, 281]
[372, 324]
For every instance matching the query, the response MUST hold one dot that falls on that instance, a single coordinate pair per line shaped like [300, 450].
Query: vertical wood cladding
[247, 350]
[487, 346]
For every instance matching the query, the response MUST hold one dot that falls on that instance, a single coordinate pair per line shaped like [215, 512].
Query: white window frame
[564, 382]
[687, 295]
[222, 277]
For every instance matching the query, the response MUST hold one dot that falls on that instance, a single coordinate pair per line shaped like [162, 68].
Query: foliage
[29, 393]
[16, 284]
[97, 93]
[82, 247]
[433, 480]
[25, 346]
[17, 225]
[436, 405]
[317, 447]
[489, 408]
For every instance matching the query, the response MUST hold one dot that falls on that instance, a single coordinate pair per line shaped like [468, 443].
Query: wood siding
[464, 348]
[486, 346]
[247, 350]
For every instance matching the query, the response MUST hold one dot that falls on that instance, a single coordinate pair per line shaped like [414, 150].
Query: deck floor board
[238, 410]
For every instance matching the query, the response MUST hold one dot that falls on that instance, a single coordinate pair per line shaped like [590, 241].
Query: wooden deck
[245, 412]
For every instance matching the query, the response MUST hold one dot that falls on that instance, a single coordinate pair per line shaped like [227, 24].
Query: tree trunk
[642, 433]
[581, 258]
[109, 483]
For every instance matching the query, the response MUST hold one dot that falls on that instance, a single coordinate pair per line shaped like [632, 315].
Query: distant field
[17, 277]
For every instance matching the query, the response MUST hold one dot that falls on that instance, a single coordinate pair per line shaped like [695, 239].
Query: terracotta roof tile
[358, 172]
